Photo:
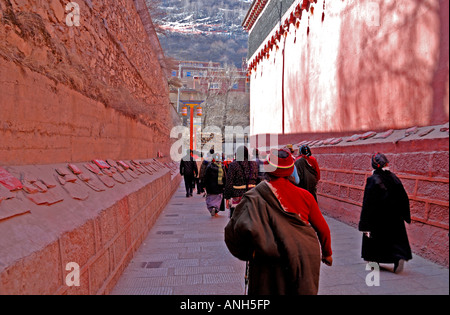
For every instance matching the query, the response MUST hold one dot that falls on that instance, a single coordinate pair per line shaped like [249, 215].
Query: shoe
[399, 265]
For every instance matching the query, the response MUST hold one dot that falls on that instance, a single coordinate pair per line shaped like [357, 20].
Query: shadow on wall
[394, 74]
[441, 78]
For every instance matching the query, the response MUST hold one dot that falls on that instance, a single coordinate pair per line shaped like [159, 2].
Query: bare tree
[215, 89]
[230, 79]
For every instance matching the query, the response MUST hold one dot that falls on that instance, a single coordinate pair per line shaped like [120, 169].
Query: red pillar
[191, 138]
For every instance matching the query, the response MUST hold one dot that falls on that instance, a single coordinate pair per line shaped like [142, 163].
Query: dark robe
[240, 174]
[212, 185]
[307, 176]
[384, 213]
[283, 251]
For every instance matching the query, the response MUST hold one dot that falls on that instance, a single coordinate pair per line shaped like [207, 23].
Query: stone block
[344, 178]
[133, 207]
[123, 213]
[38, 274]
[433, 190]
[357, 161]
[356, 195]
[429, 242]
[78, 245]
[83, 289]
[330, 189]
[343, 192]
[412, 163]
[99, 271]
[119, 250]
[439, 214]
[332, 161]
[331, 176]
[409, 185]
[107, 222]
[418, 209]
[359, 180]
[440, 164]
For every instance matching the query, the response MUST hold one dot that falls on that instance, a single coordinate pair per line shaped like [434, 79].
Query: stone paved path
[185, 254]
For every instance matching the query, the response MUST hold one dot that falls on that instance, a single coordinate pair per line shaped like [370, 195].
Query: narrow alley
[101, 100]
[185, 254]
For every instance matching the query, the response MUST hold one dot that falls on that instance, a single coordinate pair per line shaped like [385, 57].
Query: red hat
[279, 163]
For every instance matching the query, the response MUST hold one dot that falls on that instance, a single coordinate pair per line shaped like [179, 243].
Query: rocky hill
[203, 30]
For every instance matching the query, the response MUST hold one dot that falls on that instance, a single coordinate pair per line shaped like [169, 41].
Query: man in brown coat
[278, 229]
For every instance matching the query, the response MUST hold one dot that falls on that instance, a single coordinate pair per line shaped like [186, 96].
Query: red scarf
[294, 199]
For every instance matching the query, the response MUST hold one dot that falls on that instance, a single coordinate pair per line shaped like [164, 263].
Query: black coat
[307, 176]
[211, 182]
[240, 174]
[384, 213]
[188, 167]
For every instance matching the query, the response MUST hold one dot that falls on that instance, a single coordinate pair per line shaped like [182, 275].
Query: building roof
[253, 13]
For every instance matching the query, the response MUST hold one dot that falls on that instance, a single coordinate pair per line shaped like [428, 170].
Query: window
[214, 86]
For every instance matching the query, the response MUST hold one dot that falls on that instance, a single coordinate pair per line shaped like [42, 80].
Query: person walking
[198, 178]
[242, 175]
[215, 178]
[290, 147]
[308, 171]
[305, 152]
[279, 229]
[201, 176]
[260, 163]
[384, 212]
[189, 170]
[206, 161]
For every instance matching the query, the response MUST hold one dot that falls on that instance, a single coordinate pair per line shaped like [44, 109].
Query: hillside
[204, 30]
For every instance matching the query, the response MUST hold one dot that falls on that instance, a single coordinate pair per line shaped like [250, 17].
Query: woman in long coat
[308, 170]
[242, 175]
[214, 180]
[384, 213]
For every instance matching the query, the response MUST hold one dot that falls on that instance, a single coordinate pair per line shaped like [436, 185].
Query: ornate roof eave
[253, 14]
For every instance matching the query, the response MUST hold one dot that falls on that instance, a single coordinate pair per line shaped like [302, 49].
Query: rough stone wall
[99, 234]
[74, 93]
[45, 126]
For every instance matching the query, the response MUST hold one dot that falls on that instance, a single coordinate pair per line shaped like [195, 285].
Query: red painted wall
[360, 67]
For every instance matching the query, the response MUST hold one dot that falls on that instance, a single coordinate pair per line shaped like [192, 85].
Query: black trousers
[189, 184]
[199, 184]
